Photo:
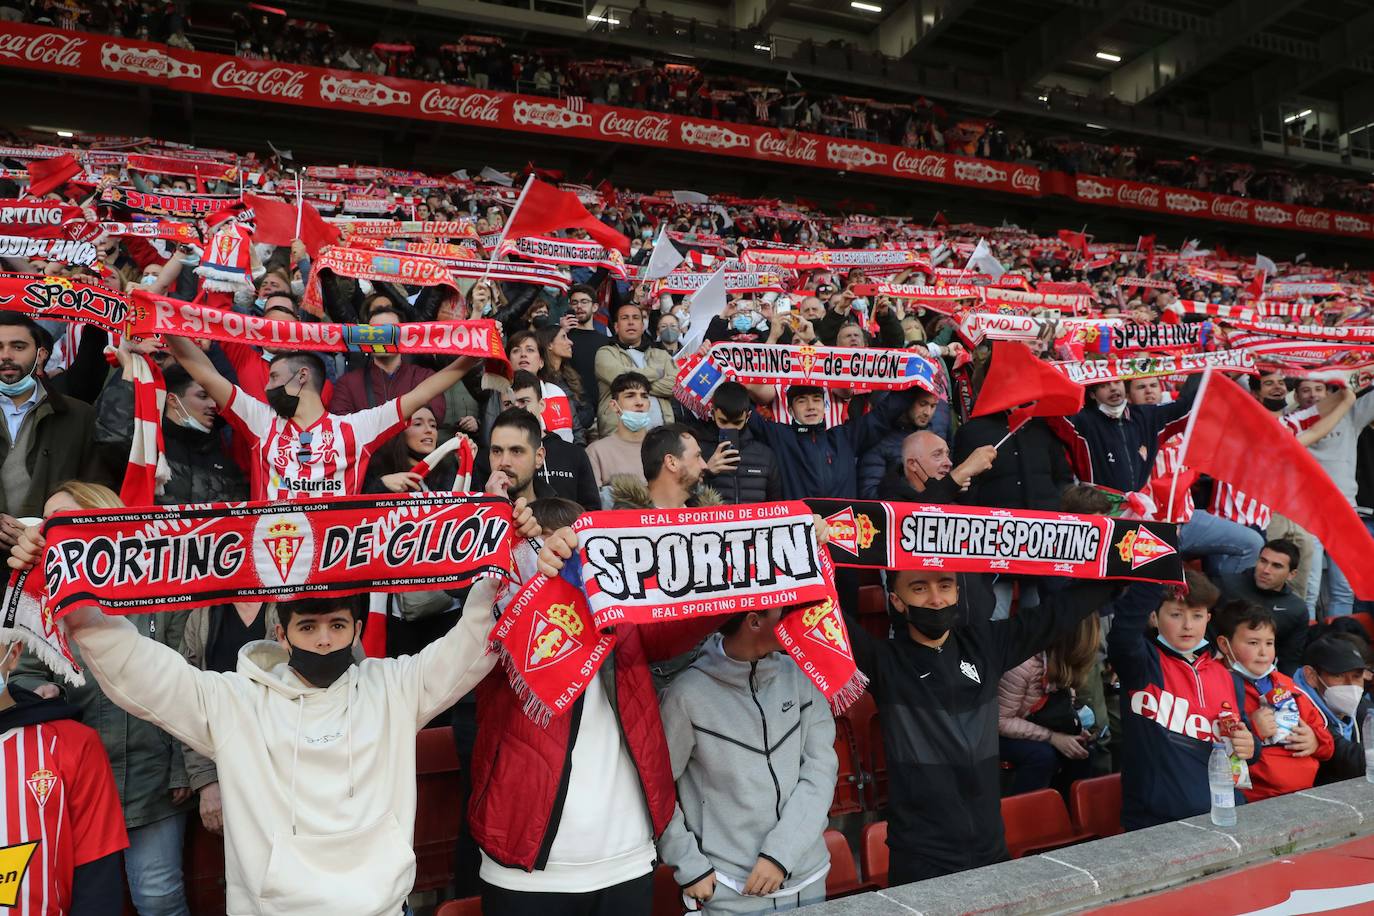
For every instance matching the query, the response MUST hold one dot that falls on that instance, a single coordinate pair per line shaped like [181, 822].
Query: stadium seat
[860, 717]
[843, 877]
[468, 906]
[849, 783]
[1038, 822]
[667, 894]
[1095, 805]
[202, 867]
[438, 807]
[872, 600]
[873, 853]
[1367, 621]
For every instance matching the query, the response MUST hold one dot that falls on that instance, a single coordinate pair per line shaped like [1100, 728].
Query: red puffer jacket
[520, 771]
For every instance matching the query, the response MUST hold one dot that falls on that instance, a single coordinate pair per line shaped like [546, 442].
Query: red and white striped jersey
[59, 810]
[1233, 505]
[329, 458]
[836, 409]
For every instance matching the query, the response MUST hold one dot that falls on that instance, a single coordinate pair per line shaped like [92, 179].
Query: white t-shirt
[326, 459]
[604, 836]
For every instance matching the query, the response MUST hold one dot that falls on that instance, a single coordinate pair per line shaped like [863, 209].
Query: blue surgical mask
[1250, 676]
[646, 233]
[260, 303]
[742, 323]
[635, 420]
[21, 387]
[1194, 651]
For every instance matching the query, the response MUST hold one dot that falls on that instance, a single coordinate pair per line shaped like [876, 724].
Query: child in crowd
[1288, 725]
[1174, 693]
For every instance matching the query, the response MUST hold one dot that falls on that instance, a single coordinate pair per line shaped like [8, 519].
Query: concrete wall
[1093, 874]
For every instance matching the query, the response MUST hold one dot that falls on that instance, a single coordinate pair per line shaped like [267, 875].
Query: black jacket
[894, 487]
[816, 461]
[1031, 470]
[1122, 452]
[1290, 615]
[568, 470]
[938, 711]
[756, 479]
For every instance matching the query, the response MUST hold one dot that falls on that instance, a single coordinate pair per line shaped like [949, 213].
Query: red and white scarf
[148, 472]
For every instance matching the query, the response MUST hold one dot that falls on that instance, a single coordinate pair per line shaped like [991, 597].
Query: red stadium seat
[843, 877]
[468, 906]
[1038, 822]
[667, 894]
[872, 600]
[1095, 805]
[438, 807]
[873, 853]
[849, 783]
[202, 867]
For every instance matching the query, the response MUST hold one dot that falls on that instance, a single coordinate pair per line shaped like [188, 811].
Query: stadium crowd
[703, 746]
[487, 61]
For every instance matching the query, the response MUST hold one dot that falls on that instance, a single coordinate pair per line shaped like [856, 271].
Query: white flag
[664, 258]
[1266, 265]
[705, 304]
[281, 153]
[690, 197]
[940, 255]
[461, 174]
[983, 261]
[492, 175]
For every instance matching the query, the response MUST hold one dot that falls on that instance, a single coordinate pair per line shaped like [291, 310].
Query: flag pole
[505, 228]
[1015, 429]
[299, 202]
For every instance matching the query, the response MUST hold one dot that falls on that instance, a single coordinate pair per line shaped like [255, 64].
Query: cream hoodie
[318, 784]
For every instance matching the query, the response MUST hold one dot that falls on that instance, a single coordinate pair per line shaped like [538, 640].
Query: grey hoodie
[753, 754]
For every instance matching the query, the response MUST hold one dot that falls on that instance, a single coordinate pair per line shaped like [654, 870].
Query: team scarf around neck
[1124, 368]
[889, 535]
[150, 315]
[856, 368]
[644, 567]
[571, 252]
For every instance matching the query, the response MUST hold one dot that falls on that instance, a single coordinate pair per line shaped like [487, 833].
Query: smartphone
[730, 436]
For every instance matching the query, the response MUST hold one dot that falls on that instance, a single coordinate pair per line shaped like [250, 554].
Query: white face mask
[1116, 412]
[1344, 700]
[1250, 675]
[187, 420]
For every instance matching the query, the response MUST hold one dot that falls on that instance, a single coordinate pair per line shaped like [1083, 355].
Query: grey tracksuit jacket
[753, 754]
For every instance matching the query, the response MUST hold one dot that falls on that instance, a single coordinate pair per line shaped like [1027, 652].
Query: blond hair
[90, 495]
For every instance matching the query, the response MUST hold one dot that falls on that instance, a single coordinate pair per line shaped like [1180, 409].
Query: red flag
[940, 221]
[1232, 438]
[542, 209]
[1026, 386]
[1078, 241]
[276, 224]
[47, 175]
[1256, 287]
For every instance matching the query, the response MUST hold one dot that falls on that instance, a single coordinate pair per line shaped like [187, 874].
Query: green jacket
[62, 449]
[146, 761]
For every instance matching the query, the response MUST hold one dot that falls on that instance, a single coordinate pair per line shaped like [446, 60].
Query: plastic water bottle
[1223, 788]
[1368, 734]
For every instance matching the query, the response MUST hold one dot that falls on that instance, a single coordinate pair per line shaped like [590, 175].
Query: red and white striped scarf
[148, 472]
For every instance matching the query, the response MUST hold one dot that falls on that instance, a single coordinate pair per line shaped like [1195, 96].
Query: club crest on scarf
[283, 541]
[554, 635]
[1141, 546]
[851, 531]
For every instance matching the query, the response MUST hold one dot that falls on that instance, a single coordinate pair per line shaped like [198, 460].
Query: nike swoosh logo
[926, 675]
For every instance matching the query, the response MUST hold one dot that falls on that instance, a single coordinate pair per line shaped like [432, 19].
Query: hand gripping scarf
[886, 535]
[652, 566]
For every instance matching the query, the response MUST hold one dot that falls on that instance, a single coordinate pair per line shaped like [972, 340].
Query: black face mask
[320, 670]
[284, 404]
[932, 624]
[1272, 404]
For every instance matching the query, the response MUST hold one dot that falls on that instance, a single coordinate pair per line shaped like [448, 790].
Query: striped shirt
[326, 459]
[58, 811]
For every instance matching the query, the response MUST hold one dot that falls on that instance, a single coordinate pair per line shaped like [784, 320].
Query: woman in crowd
[557, 347]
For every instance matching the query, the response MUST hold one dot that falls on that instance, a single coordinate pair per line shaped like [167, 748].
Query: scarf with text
[168, 204]
[150, 315]
[857, 368]
[888, 535]
[642, 567]
[386, 228]
[176, 557]
[1124, 368]
[1146, 283]
[870, 260]
[59, 298]
[66, 251]
[572, 252]
[748, 281]
[181, 233]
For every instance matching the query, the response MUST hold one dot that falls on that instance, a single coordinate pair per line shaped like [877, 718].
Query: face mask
[1116, 412]
[742, 323]
[1343, 700]
[297, 288]
[1246, 673]
[260, 303]
[1274, 404]
[285, 405]
[187, 420]
[931, 624]
[646, 233]
[635, 420]
[861, 304]
[23, 386]
[321, 670]
[1168, 645]
[670, 335]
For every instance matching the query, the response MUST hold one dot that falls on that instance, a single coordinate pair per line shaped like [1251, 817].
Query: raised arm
[197, 365]
[1333, 409]
[435, 385]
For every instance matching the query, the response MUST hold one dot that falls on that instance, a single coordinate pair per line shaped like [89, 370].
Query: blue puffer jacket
[816, 461]
[887, 454]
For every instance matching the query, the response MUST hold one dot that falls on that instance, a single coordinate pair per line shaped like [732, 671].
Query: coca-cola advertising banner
[1094, 189]
[103, 57]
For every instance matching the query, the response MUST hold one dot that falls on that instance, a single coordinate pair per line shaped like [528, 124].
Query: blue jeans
[1225, 547]
[153, 865]
[1340, 599]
